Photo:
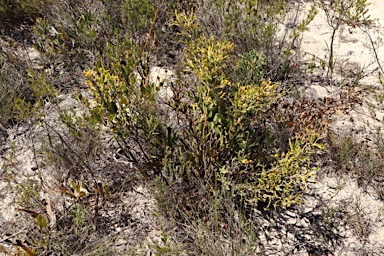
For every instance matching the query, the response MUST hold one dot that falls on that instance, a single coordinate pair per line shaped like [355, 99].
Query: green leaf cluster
[222, 133]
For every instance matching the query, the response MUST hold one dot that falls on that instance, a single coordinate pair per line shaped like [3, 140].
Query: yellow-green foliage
[228, 109]
[124, 100]
[218, 141]
[283, 183]
[40, 92]
[119, 89]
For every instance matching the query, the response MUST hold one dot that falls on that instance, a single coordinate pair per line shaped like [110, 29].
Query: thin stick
[5, 239]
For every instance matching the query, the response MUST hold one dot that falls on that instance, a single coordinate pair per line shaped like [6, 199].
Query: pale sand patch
[352, 51]
[351, 43]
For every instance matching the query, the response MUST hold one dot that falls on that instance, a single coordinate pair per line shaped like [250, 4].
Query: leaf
[75, 187]
[41, 221]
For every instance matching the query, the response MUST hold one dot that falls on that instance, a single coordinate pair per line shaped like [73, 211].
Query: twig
[5, 239]
[366, 31]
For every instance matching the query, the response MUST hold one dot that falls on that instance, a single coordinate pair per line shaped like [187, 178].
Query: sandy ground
[353, 53]
[352, 47]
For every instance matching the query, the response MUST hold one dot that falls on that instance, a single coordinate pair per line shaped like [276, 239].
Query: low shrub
[220, 136]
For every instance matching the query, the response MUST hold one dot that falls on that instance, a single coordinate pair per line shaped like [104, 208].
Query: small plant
[13, 86]
[125, 102]
[72, 148]
[28, 194]
[359, 160]
[40, 91]
[342, 12]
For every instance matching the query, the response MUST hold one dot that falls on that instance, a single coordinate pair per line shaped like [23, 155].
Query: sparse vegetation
[339, 13]
[227, 146]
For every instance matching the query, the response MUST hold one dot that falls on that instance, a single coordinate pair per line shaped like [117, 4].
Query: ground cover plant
[229, 155]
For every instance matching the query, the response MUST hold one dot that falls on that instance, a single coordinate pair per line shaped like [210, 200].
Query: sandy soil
[353, 53]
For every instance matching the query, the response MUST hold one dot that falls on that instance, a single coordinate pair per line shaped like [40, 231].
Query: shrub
[211, 152]
[254, 25]
[8, 92]
[221, 133]
[14, 87]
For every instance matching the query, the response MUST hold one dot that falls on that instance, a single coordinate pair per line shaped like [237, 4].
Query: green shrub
[137, 15]
[254, 25]
[221, 137]
[9, 76]
[211, 152]
[15, 81]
